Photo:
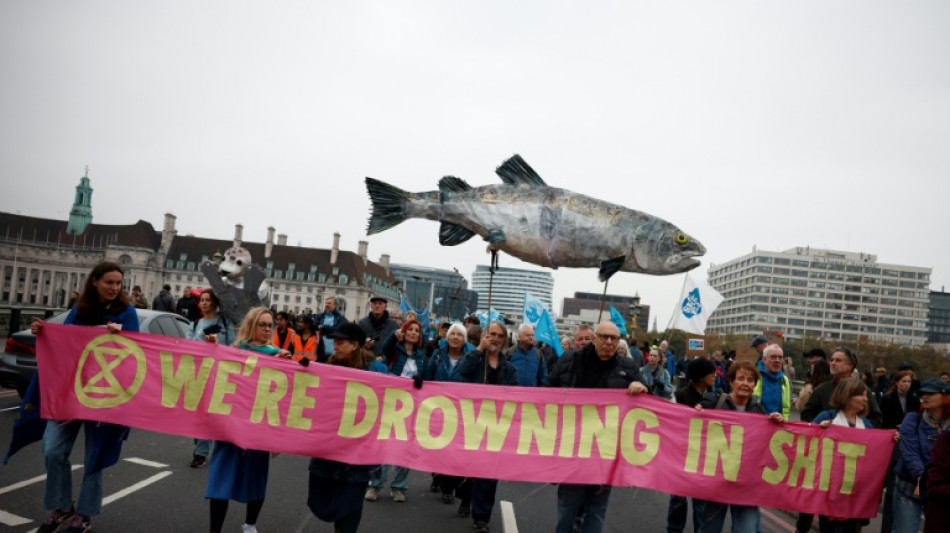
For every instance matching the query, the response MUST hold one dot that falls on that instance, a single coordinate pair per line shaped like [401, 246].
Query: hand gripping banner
[589, 436]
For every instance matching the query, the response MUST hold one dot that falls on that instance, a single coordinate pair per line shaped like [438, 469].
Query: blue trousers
[744, 518]
[58, 443]
[483, 498]
[202, 447]
[400, 477]
[679, 508]
[593, 499]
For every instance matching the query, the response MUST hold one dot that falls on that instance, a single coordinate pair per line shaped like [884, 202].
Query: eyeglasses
[265, 325]
[611, 338]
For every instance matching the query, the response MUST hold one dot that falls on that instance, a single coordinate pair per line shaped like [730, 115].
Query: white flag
[533, 307]
[697, 302]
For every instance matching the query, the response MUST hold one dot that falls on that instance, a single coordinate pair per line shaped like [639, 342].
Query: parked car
[18, 363]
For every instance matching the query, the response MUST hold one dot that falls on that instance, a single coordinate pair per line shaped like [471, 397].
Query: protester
[655, 376]
[486, 365]
[238, 474]
[404, 356]
[849, 402]
[164, 301]
[335, 489]
[284, 336]
[326, 323]
[433, 344]
[439, 368]
[596, 366]
[742, 378]
[918, 432]
[774, 389]
[187, 305]
[101, 303]
[137, 299]
[813, 356]
[881, 383]
[532, 372]
[211, 327]
[307, 343]
[937, 509]
[898, 401]
[377, 325]
[701, 377]
[820, 373]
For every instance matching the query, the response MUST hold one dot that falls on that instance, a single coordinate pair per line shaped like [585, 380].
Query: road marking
[10, 519]
[32, 480]
[145, 462]
[138, 486]
[508, 522]
[4, 410]
[778, 521]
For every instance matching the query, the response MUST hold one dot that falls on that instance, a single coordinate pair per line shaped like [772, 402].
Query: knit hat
[699, 368]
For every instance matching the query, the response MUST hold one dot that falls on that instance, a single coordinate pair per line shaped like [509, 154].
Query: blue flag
[421, 315]
[491, 316]
[533, 307]
[547, 333]
[618, 320]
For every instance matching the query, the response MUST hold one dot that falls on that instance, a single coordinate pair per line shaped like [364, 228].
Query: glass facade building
[508, 288]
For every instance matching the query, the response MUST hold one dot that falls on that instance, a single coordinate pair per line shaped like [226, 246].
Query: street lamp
[635, 310]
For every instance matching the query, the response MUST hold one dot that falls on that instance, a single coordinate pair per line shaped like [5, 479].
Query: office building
[820, 293]
[508, 287]
[447, 290]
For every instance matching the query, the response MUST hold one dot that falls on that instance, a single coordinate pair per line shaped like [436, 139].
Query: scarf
[841, 420]
[771, 389]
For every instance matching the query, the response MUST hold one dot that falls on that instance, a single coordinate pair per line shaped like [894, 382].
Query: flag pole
[602, 298]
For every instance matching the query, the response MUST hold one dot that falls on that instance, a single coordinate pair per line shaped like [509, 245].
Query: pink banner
[592, 436]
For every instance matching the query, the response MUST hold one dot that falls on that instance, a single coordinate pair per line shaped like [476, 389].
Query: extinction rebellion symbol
[106, 376]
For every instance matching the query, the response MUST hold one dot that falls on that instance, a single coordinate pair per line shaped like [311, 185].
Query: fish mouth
[686, 260]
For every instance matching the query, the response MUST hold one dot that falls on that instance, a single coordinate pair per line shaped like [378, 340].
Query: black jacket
[572, 365]
[891, 411]
[471, 369]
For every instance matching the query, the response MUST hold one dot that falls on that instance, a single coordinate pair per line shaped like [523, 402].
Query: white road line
[138, 486]
[32, 480]
[10, 519]
[145, 462]
[508, 523]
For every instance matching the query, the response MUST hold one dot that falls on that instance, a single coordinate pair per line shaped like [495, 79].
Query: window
[125, 259]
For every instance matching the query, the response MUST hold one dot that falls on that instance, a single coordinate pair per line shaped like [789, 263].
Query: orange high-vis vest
[306, 349]
[288, 343]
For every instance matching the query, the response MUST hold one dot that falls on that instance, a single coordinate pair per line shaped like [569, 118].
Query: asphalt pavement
[153, 489]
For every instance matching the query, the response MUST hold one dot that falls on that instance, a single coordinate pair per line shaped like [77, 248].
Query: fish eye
[681, 239]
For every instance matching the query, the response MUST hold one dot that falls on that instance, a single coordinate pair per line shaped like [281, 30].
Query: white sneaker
[249, 528]
[372, 494]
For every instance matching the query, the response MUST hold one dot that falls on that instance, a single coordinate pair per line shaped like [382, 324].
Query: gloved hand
[304, 361]
[417, 381]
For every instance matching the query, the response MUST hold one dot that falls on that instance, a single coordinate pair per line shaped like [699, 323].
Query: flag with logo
[422, 315]
[696, 304]
[618, 320]
[533, 307]
[547, 333]
[491, 316]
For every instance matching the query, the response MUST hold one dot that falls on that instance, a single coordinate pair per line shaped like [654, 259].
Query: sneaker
[249, 528]
[199, 461]
[481, 527]
[77, 524]
[399, 496]
[448, 498]
[465, 509]
[56, 519]
[372, 494]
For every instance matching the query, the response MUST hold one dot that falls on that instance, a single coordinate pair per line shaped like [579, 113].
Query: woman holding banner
[335, 490]
[211, 327]
[742, 377]
[403, 353]
[238, 474]
[103, 302]
[850, 407]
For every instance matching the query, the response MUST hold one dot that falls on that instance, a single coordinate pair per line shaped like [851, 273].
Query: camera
[213, 329]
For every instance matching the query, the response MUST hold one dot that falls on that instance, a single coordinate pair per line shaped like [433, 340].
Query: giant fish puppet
[539, 224]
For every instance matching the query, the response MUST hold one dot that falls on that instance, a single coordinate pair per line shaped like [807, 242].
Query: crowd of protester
[835, 392]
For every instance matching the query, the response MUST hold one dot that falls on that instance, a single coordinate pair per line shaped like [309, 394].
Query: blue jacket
[830, 414]
[395, 355]
[439, 367]
[658, 383]
[532, 372]
[917, 440]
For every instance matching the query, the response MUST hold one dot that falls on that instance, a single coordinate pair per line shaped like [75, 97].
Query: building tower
[80, 216]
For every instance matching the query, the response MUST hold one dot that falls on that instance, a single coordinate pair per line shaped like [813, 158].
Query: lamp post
[635, 310]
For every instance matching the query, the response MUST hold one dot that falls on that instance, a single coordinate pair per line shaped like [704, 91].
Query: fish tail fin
[389, 205]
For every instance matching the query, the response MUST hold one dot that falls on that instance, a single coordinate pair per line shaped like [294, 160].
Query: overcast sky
[768, 124]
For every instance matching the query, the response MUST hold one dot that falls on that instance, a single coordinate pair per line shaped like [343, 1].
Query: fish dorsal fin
[453, 184]
[452, 234]
[515, 171]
